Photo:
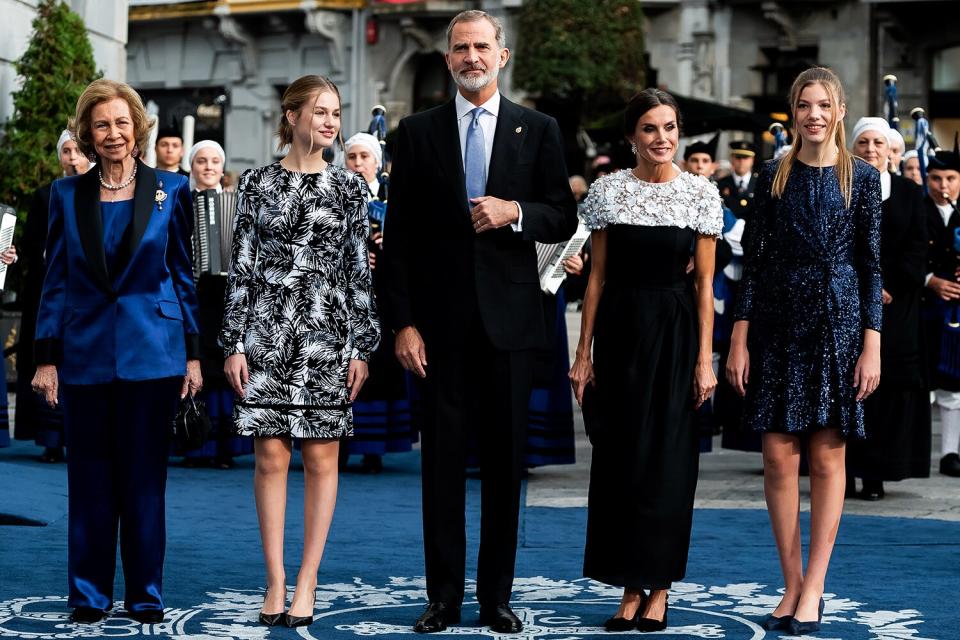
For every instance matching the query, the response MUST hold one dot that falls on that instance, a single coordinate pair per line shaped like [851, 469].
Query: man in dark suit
[475, 183]
[737, 188]
[942, 294]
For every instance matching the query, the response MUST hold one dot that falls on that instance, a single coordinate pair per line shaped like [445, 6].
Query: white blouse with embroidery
[686, 201]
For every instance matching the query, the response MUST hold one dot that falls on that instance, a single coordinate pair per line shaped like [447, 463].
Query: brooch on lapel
[518, 130]
[159, 197]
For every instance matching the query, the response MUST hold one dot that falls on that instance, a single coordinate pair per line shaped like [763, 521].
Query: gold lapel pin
[519, 129]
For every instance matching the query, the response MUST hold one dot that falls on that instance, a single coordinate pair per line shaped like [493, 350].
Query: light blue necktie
[474, 159]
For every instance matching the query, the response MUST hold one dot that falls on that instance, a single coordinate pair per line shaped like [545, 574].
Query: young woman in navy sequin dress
[805, 350]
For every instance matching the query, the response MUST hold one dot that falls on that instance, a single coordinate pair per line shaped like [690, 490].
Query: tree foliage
[57, 65]
[574, 48]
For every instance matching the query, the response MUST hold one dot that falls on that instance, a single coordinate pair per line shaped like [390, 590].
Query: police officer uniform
[737, 191]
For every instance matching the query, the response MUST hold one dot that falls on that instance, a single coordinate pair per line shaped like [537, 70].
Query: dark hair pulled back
[643, 102]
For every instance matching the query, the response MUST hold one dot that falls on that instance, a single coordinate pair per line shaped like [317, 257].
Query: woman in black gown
[652, 342]
[810, 304]
[897, 416]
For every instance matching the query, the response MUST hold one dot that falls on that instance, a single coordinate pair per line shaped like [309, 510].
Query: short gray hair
[473, 16]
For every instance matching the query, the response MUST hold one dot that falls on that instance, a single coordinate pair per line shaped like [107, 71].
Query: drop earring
[633, 148]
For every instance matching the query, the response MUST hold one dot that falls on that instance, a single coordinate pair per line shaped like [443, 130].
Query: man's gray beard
[476, 84]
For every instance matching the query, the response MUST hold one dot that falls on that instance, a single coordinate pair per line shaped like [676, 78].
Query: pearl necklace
[123, 185]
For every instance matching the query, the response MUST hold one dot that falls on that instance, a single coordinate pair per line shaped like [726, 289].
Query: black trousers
[472, 387]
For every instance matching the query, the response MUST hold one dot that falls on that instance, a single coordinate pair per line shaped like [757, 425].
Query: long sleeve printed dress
[811, 286]
[299, 299]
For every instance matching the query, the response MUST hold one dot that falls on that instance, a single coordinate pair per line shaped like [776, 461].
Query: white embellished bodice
[687, 201]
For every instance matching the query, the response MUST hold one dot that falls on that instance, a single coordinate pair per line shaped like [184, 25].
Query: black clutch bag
[191, 427]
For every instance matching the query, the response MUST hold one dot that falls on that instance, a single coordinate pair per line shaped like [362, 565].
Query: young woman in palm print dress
[299, 327]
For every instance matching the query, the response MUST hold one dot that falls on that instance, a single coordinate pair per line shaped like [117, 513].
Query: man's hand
[491, 213]
[944, 288]
[411, 351]
[574, 264]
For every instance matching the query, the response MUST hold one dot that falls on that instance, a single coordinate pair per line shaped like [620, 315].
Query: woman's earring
[633, 148]
[136, 152]
[92, 157]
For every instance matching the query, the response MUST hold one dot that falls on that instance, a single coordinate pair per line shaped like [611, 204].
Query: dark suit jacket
[739, 202]
[139, 323]
[438, 272]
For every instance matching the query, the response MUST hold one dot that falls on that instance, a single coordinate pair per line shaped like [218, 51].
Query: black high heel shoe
[775, 623]
[798, 628]
[616, 624]
[300, 621]
[649, 625]
[271, 619]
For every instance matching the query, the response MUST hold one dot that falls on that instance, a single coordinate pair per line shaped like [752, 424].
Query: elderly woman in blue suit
[117, 340]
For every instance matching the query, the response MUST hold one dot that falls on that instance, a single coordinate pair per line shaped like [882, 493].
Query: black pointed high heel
[616, 625]
[775, 623]
[798, 628]
[649, 625]
[300, 621]
[271, 619]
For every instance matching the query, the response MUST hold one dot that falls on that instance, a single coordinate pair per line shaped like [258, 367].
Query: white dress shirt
[742, 182]
[488, 122]
[884, 185]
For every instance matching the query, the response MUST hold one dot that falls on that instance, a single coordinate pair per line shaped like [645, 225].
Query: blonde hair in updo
[831, 84]
[295, 97]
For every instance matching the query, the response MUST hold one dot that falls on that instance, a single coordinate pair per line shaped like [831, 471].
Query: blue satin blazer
[139, 323]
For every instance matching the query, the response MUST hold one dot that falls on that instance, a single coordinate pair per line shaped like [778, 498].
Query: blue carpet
[891, 578]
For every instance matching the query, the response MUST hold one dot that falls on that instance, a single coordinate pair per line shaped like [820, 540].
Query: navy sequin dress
[811, 286]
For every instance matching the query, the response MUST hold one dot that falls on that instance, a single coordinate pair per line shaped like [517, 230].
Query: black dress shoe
[436, 617]
[500, 618]
[649, 625]
[872, 490]
[87, 615]
[147, 616]
[950, 465]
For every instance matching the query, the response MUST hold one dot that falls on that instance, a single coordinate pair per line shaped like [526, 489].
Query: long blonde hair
[831, 84]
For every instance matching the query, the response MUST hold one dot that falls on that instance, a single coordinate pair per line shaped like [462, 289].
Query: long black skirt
[645, 444]
[897, 445]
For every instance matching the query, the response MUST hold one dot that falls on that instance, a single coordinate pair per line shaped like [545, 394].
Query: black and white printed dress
[299, 299]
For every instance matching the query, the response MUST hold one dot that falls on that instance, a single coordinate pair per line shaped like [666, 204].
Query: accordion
[213, 215]
[550, 259]
[8, 221]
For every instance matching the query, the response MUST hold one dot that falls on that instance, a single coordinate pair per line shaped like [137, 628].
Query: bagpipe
[924, 142]
[892, 104]
[377, 208]
[779, 133]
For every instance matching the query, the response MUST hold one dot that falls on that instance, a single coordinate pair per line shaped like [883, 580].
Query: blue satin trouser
[117, 438]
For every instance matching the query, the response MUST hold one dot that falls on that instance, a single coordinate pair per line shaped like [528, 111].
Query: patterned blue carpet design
[891, 578]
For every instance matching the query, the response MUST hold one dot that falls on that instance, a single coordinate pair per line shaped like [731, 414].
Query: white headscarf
[64, 138]
[896, 139]
[368, 142]
[205, 144]
[871, 124]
